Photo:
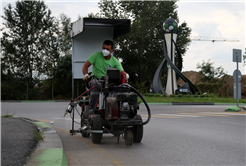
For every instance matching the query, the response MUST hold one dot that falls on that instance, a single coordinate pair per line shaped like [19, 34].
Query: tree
[65, 42]
[211, 75]
[141, 50]
[29, 43]
[61, 72]
[92, 15]
[61, 80]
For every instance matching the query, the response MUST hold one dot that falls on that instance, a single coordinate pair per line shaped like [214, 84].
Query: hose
[85, 92]
[146, 105]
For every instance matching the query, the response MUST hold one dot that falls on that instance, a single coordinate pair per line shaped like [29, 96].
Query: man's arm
[122, 72]
[85, 67]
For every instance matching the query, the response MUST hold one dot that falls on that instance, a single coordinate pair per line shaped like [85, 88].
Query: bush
[151, 94]
[142, 88]
[35, 94]
[157, 95]
[172, 95]
[11, 92]
[212, 95]
[202, 95]
[164, 95]
[196, 96]
[146, 94]
[180, 95]
[211, 87]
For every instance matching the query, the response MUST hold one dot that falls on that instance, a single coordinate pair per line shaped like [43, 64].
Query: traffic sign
[237, 55]
[237, 74]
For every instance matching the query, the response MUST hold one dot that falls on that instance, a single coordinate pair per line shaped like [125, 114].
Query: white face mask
[105, 52]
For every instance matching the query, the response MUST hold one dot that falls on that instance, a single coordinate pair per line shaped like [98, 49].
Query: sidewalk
[19, 144]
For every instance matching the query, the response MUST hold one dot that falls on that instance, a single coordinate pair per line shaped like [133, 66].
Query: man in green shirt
[100, 61]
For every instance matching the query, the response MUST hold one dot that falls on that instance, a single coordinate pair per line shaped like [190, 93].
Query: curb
[50, 151]
[53, 101]
[195, 103]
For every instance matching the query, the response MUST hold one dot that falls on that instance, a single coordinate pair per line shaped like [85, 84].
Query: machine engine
[122, 106]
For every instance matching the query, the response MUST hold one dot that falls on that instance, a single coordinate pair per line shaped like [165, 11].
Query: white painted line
[222, 113]
[190, 116]
[78, 120]
[68, 118]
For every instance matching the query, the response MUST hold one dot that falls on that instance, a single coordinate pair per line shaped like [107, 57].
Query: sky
[206, 18]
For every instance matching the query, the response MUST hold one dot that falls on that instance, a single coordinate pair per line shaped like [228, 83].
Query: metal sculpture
[170, 31]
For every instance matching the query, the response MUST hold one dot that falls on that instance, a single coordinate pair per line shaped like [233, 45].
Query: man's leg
[94, 93]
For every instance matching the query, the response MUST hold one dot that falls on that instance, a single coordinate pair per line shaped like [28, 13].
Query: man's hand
[86, 77]
[127, 76]
[85, 70]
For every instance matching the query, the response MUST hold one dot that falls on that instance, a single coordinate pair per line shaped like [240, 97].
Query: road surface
[176, 135]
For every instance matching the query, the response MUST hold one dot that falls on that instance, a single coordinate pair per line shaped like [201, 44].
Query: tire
[82, 123]
[138, 131]
[85, 135]
[128, 136]
[96, 125]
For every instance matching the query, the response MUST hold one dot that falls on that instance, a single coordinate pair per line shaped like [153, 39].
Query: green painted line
[33, 101]
[229, 103]
[233, 109]
[54, 157]
[41, 125]
[197, 102]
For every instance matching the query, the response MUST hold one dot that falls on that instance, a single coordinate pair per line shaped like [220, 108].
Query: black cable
[74, 120]
[146, 105]
[77, 111]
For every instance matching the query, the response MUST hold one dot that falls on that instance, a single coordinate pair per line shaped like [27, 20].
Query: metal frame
[88, 35]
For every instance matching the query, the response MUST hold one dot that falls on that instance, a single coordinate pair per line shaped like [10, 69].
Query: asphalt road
[176, 135]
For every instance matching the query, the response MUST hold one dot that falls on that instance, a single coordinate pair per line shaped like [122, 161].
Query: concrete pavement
[25, 149]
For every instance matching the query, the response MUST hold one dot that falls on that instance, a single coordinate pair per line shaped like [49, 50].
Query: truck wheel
[82, 123]
[138, 131]
[96, 125]
[128, 136]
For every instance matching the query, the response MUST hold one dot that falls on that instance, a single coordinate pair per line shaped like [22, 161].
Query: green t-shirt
[100, 64]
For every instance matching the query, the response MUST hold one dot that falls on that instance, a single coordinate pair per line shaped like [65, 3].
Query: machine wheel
[96, 125]
[82, 123]
[85, 134]
[128, 136]
[138, 131]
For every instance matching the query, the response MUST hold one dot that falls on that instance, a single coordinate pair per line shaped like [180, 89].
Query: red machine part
[111, 111]
[123, 78]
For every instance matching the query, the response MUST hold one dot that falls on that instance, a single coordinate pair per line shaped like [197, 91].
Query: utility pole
[237, 76]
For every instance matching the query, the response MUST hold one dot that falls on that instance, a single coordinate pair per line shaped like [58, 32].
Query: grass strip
[192, 99]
